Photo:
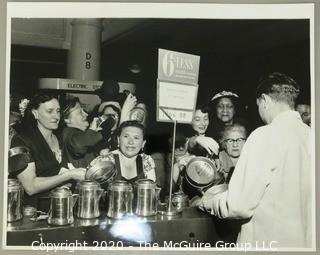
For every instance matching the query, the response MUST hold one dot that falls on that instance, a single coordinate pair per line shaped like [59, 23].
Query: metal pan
[101, 170]
[201, 171]
[19, 157]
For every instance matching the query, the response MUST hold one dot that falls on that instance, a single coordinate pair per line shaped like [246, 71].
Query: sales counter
[192, 227]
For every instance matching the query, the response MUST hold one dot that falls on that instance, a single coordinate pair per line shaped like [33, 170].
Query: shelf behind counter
[192, 226]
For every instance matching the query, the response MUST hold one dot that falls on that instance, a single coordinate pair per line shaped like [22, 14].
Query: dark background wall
[235, 54]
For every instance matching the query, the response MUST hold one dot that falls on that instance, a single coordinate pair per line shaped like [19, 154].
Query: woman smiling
[130, 162]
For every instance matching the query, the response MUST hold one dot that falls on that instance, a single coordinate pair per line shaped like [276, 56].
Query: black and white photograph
[159, 126]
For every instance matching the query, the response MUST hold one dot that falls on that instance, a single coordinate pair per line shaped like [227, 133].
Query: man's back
[283, 213]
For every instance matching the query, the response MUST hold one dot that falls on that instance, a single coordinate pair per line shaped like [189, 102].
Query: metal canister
[61, 206]
[180, 201]
[120, 195]
[15, 200]
[146, 197]
[88, 202]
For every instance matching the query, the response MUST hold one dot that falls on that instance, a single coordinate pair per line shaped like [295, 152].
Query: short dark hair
[131, 123]
[280, 88]
[67, 105]
[117, 110]
[204, 108]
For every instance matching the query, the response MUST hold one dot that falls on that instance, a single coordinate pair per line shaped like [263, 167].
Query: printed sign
[69, 84]
[178, 67]
[177, 86]
[176, 100]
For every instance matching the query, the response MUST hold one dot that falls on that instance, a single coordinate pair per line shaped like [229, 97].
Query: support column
[85, 53]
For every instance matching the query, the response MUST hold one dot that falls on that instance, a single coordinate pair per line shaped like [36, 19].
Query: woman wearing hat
[223, 106]
[223, 114]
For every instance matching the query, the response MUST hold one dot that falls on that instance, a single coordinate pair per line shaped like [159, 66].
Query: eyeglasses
[238, 140]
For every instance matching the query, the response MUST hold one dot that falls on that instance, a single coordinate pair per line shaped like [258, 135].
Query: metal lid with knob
[120, 185]
[14, 184]
[60, 192]
[145, 184]
[88, 185]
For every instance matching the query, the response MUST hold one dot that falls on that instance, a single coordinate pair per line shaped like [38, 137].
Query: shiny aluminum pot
[15, 200]
[201, 174]
[61, 206]
[88, 202]
[18, 158]
[146, 197]
[120, 195]
[180, 201]
[102, 171]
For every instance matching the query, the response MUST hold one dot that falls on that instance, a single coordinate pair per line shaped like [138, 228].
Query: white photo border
[157, 10]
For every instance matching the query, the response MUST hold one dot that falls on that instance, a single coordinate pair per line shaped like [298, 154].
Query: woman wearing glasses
[232, 140]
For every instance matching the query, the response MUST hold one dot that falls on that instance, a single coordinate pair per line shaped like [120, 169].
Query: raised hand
[209, 144]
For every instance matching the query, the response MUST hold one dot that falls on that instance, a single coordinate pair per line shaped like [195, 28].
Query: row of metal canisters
[122, 199]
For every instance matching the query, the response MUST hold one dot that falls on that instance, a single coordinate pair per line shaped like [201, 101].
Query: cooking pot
[120, 195]
[201, 173]
[146, 197]
[15, 199]
[102, 171]
[61, 206]
[19, 157]
[89, 196]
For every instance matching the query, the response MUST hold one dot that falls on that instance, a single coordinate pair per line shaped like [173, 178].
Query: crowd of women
[63, 140]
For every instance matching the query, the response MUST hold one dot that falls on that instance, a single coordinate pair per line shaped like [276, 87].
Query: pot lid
[120, 185]
[14, 184]
[88, 184]
[145, 184]
[61, 192]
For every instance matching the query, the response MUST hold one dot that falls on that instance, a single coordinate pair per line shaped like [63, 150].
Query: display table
[192, 226]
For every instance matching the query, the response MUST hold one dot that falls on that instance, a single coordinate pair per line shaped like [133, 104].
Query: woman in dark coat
[44, 171]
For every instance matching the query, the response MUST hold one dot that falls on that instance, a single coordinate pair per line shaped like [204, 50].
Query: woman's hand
[128, 105]
[77, 174]
[209, 144]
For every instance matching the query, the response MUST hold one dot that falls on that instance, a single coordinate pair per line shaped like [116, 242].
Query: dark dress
[45, 162]
[140, 173]
[79, 147]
